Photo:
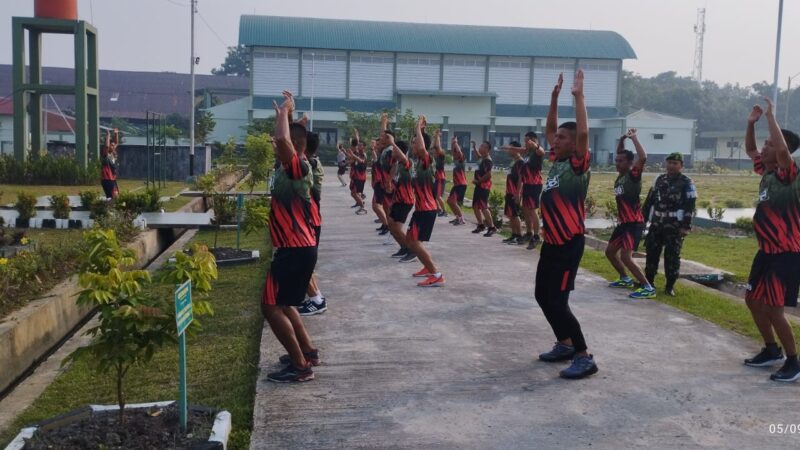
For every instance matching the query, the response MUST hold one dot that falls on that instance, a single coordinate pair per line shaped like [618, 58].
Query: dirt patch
[153, 428]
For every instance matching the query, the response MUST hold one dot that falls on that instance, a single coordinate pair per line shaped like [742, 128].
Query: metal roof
[274, 31]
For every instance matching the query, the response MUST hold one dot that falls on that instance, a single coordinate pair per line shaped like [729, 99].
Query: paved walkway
[455, 367]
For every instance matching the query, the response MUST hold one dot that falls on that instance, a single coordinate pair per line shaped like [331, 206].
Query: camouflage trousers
[668, 237]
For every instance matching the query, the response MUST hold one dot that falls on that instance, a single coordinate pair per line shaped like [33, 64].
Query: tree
[204, 125]
[237, 62]
[260, 158]
[261, 126]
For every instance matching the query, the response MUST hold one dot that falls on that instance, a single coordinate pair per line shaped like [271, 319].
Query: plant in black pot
[60, 205]
[26, 207]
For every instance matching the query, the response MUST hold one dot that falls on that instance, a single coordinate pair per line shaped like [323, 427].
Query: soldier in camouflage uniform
[669, 208]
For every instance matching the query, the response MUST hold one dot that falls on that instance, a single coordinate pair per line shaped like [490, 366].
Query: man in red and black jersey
[626, 236]
[774, 278]
[292, 218]
[514, 192]
[439, 177]
[358, 174]
[532, 188]
[483, 186]
[378, 192]
[108, 173]
[424, 217]
[456, 197]
[563, 217]
[403, 195]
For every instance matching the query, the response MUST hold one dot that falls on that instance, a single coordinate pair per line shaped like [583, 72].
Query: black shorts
[357, 186]
[774, 279]
[288, 277]
[421, 226]
[627, 235]
[480, 199]
[399, 212]
[342, 170]
[378, 193]
[558, 266]
[318, 233]
[457, 193]
[512, 208]
[438, 188]
[110, 188]
[530, 195]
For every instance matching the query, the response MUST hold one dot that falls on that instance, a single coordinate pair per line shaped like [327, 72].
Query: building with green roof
[480, 82]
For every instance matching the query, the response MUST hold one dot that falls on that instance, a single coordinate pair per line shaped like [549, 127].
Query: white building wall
[460, 110]
[510, 79]
[371, 75]
[329, 69]
[6, 135]
[676, 135]
[545, 76]
[274, 70]
[231, 120]
[600, 81]
[464, 73]
[418, 71]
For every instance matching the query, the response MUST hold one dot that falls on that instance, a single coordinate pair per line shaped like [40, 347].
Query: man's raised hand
[577, 83]
[559, 83]
[631, 134]
[755, 114]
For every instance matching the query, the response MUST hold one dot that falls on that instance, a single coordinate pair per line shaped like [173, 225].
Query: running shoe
[384, 231]
[534, 242]
[490, 232]
[312, 357]
[400, 253]
[479, 229]
[560, 352]
[355, 206]
[442, 214]
[410, 257]
[380, 228]
[526, 237]
[670, 292]
[453, 221]
[643, 293]
[310, 308]
[789, 372]
[511, 239]
[765, 357]
[291, 374]
[621, 283]
[432, 281]
[361, 211]
[581, 367]
[459, 221]
[377, 220]
[422, 273]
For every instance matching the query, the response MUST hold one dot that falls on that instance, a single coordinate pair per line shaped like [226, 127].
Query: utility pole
[313, 75]
[699, 33]
[193, 5]
[777, 54]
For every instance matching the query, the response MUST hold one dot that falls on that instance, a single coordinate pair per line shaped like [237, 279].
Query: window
[501, 139]
[114, 96]
[658, 136]
[327, 136]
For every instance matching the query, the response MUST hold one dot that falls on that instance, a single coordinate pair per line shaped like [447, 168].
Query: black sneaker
[525, 238]
[400, 253]
[788, 373]
[312, 357]
[442, 214]
[355, 206]
[534, 242]
[479, 229]
[560, 352]
[453, 221]
[291, 374]
[380, 228]
[377, 220]
[670, 292]
[511, 239]
[383, 231]
[310, 308]
[490, 232]
[765, 357]
[581, 367]
[410, 257]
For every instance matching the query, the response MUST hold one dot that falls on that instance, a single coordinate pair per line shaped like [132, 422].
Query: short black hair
[389, 132]
[532, 135]
[312, 142]
[514, 144]
[488, 143]
[298, 134]
[426, 139]
[353, 142]
[792, 139]
[402, 146]
[571, 126]
[628, 154]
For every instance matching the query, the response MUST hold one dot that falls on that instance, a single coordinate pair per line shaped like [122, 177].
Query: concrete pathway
[455, 367]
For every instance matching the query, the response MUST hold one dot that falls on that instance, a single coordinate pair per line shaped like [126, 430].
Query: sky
[154, 35]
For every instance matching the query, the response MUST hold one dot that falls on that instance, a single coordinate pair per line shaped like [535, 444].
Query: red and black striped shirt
[459, 173]
[532, 171]
[512, 179]
[485, 167]
[293, 214]
[627, 189]
[562, 200]
[423, 185]
[404, 190]
[777, 218]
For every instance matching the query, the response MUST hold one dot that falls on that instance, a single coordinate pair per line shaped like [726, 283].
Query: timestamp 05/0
[784, 428]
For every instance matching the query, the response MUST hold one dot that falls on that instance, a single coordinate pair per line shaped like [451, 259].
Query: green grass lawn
[8, 192]
[222, 359]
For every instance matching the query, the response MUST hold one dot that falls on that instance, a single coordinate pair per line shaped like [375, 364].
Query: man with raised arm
[630, 222]
[292, 215]
[456, 197]
[403, 195]
[316, 303]
[439, 177]
[358, 173]
[483, 187]
[563, 229]
[424, 217]
[532, 188]
[378, 192]
[775, 277]
[514, 192]
[341, 163]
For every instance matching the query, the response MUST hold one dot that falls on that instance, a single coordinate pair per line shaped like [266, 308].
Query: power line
[178, 3]
[212, 29]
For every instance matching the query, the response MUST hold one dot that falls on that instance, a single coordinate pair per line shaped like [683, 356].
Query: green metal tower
[28, 91]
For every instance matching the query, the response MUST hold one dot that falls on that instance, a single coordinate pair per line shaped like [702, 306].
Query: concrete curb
[220, 430]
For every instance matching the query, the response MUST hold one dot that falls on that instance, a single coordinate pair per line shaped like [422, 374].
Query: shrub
[590, 206]
[60, 205]
[715, 213]
[121, 222]
[496, 203]
[744, 223]
[224, 212]
[25, 205]
[46, 169]
[734, 204]
[88, 198]
[139, 202]
[611, 211]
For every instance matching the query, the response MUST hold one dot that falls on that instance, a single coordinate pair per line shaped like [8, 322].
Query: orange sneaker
[423, 273]
[432, 281]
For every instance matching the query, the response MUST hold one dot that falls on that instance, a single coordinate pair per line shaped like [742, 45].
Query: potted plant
[61, 209]
[26, 207]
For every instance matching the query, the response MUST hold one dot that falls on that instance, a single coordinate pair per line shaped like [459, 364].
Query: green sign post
[183, 317]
